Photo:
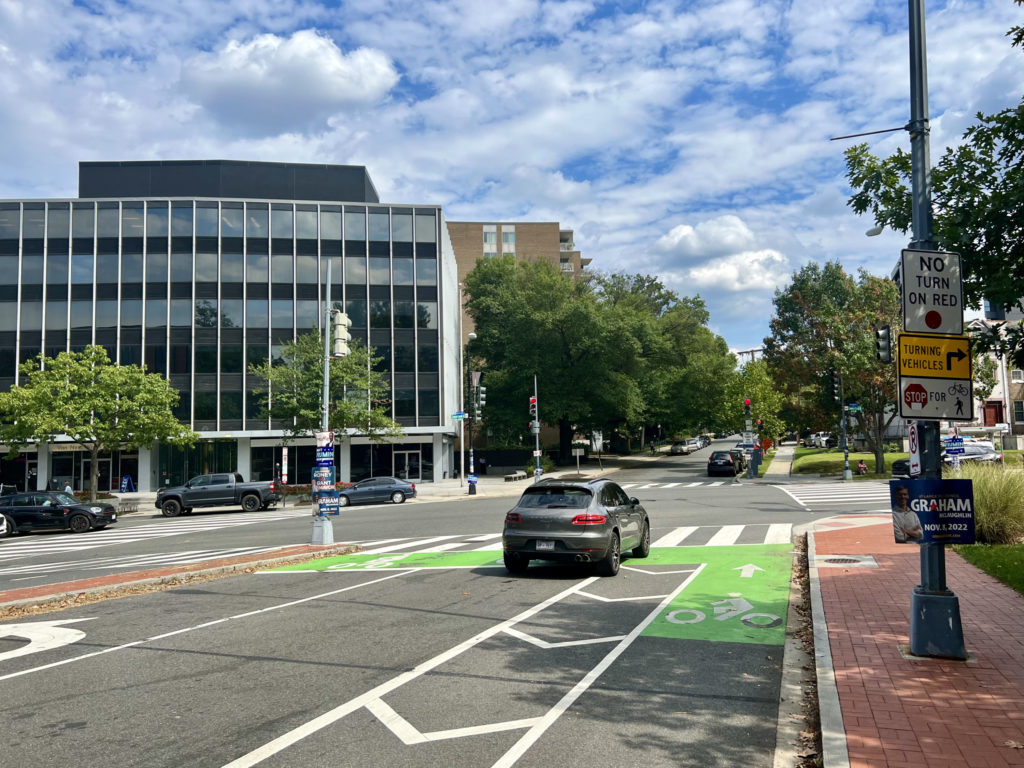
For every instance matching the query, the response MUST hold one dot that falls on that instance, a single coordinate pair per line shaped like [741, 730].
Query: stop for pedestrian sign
[915, 397]
[931, 399]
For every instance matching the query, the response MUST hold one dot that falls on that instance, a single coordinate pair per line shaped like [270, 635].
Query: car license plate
[545, 545]
[113, 518]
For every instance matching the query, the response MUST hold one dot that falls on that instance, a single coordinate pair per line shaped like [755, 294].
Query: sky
[687, 140]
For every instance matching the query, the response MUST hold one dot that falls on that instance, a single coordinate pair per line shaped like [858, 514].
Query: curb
[794, 658]
[833, 733]
[171, 575]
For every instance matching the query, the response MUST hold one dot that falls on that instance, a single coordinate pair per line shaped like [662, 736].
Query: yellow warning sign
[934, 357]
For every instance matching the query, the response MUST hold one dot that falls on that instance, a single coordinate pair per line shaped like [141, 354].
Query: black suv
[54, 511]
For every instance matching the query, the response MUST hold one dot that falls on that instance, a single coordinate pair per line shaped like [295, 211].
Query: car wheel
[9, 529]
[643, 549]
[79, 524]
[251, 502]
[516, 563]
[609, 566]
[343, 501]
[398, 497]
[171, 508]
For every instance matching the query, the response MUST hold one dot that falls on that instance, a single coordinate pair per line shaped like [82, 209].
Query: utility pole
[935, 628]
[323, 530]
[536, 432]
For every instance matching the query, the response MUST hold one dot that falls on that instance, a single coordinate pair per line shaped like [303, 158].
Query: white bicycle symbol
[728, 609]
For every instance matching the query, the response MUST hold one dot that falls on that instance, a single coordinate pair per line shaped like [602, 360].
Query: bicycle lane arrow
[725, 603]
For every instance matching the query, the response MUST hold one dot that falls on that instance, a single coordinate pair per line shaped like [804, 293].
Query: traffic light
[883, 344]
[481, 401]
[746, 407]
[533, 407]
[341, 323]
[758, 423]
[837, 386]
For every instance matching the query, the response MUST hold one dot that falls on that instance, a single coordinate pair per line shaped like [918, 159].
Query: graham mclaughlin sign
[930, 510]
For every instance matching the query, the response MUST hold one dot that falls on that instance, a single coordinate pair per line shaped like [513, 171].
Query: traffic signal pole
[935, 628]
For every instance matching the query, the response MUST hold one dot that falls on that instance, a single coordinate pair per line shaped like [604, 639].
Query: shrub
[998, 501]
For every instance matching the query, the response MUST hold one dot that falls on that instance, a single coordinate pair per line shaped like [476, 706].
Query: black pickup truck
[219, 490]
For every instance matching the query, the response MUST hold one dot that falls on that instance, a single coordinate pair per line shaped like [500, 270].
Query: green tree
[977, 204]
[824, 321]
[359, 397]
[96, 403]
[984, 377]
[766, 400]
[532, 319]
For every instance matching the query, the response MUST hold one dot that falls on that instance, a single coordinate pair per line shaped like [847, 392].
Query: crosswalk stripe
[779, 533]
[694, 485]
[671, 485]
[673, 538]
[726, 536]
[407, 545]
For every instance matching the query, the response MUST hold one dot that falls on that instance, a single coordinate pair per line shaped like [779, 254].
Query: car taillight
[271, 485]
[413, 486]
[513, 517]
[589, 520]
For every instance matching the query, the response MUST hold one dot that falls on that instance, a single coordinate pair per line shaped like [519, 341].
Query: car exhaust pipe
[582, 558]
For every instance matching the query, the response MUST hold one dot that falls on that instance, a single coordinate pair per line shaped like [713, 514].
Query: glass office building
[196, 270]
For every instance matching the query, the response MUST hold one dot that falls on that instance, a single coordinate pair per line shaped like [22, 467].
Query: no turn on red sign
[932, 292]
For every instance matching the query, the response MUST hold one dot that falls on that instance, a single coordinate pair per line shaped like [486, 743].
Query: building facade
[530, 241]
[196, 270]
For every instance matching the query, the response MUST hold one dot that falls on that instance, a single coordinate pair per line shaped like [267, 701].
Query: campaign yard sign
[930, 510]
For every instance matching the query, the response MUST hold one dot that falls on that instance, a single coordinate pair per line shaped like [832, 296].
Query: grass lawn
[829, 461]
[1001, 561]
[765, 463]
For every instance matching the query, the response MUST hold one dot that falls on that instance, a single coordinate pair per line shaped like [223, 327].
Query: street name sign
[932, 292]
[938, 357]
[460, 416]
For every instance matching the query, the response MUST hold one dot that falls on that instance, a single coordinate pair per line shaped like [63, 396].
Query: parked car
[584, 521]
[217, 490]
[742, 460]
[693, 444]
[677, 449]
[377, 489]
[974, 452]
[723, 463]
[53, 511]
[901, 468]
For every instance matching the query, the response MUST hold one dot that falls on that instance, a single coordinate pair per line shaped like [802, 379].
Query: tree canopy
[98, 404]
[359, 397]
[619, 353]
[977, 204]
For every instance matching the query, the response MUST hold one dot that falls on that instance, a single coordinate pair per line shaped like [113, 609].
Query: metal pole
[935, 628]
[471, 415]
[536, 434]
[323, 530]
[847, 474]
[462, 394]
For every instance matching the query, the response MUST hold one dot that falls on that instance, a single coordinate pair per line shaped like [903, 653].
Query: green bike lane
[677, 661]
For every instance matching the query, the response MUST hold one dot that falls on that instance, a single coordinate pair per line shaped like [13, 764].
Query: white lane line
[726, 536]
[567, 643]
[675, 536]
[407, 545]
[792, 496]
[410, 734]
[201, 626]
[671, 485]
[779, 533]
[496, 547]
[485, 537]
[694, 485]
[717, 482]
[628, 485]
[332, 716]
[548, 719]
[442, 547]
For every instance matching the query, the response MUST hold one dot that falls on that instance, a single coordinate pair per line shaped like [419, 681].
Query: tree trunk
[564, 440]
[94, 470]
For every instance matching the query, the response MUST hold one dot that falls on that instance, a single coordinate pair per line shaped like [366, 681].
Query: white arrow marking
[747, 571]
[41, 636]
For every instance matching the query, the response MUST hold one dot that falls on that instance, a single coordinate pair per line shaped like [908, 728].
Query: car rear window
[554, 497]
[721, 455]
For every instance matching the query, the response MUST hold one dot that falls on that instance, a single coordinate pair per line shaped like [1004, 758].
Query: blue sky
[687, 140]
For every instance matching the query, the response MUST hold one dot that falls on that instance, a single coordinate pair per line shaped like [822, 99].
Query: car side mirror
[634, 501]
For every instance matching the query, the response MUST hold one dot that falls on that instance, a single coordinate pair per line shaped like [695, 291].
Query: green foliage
[94, 402]
[358, 398]
[984, 377]
[825, 320]
[1001, 561]
[998, 501]
[619, 353]
[978, 210]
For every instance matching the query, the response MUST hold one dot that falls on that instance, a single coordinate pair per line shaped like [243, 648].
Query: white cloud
[709, 239]
[272, 84]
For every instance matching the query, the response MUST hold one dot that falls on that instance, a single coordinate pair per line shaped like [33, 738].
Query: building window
[490, 240]
[1017, 376]
[1018, 411]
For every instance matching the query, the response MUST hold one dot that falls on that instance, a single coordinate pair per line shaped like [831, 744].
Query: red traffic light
[747, 401]
[533, 401]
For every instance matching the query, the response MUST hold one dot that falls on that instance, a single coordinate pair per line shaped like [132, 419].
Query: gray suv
[586, 521]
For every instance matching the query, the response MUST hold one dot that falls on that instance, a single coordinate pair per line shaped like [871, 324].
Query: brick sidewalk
[908, 713]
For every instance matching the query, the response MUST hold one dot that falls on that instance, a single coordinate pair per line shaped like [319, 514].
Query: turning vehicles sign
[935, 377]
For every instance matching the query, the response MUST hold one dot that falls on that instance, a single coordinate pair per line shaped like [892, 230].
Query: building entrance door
[103, 482]
[407, 465]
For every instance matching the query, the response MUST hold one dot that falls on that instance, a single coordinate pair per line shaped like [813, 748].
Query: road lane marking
[268, 609]
[779, 533]
[409, 544]
[726, 536]
[410, 734]
[673, 538]
[332, 716]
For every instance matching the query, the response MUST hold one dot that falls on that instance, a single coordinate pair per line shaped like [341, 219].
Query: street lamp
[470, 416]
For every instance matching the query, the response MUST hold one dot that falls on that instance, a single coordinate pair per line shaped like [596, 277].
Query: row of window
[301, 314]
[86, 268]
[202, 218]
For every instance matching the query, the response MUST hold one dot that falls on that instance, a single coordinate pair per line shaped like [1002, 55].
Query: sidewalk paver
[899, 711]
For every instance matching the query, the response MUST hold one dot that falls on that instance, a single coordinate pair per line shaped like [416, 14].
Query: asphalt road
[420, 650]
